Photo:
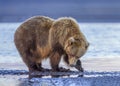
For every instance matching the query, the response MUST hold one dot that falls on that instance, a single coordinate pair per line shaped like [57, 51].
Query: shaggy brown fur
[41, 37]
[31, 40]
[66, 39]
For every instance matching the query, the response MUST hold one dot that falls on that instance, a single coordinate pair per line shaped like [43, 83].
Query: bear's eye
[77, 39]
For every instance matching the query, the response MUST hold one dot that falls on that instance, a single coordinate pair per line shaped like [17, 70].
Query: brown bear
[41, 37]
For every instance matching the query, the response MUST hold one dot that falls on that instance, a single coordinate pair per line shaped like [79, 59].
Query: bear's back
[32, 33]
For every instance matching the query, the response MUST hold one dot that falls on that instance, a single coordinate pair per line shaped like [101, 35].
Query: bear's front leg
[79, 66]
[54, 61]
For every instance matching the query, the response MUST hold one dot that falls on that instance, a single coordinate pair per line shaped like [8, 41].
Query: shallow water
[19, 78]
[90, 79]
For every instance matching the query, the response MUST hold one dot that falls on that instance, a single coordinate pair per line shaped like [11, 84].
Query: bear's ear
[71, 41]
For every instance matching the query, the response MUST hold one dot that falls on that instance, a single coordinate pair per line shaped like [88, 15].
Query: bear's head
[75, 47]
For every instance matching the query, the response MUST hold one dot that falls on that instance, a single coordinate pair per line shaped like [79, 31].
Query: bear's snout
[72, 61]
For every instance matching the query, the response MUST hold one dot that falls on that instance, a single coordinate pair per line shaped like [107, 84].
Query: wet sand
[98, 72]
[89, 64]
